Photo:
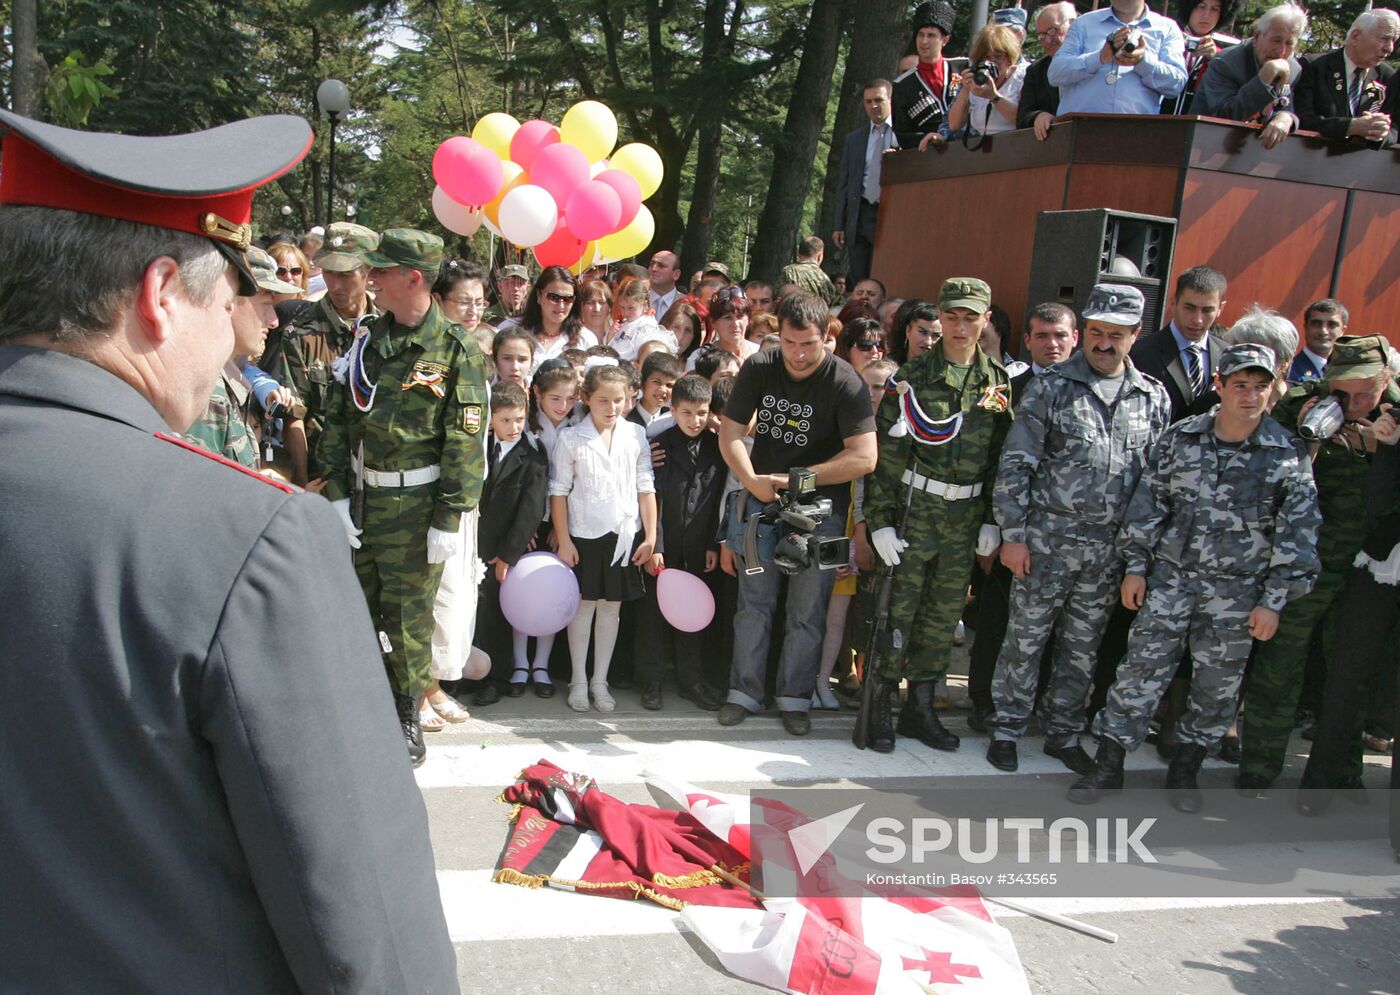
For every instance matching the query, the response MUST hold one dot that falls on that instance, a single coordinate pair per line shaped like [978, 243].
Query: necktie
[495, 456]
[1194, 371]
[1354, 91]
[872, 174]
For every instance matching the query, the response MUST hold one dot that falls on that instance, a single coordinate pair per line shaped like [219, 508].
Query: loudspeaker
[1076, 249]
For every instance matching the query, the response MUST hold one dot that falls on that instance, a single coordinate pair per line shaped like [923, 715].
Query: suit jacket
[513, 501]
[1303, 369]
[850, 181]
[689, 491]
[1037, 94]
[1232, 88]
[1321, 97]
[195, 830]
[1157, 356]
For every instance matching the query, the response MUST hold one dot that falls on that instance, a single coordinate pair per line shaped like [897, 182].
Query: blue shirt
[1083, 80]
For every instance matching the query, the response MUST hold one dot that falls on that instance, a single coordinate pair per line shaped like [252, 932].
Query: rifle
[871, 672]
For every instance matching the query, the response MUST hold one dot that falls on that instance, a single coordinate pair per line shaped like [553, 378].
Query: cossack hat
[1115, 303]
[200, 183]
[934, 15]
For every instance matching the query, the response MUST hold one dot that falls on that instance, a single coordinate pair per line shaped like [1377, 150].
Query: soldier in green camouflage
[405, 428]
[320, 335]
[941, 428]
[230, 425]
[1220, 535]
[807, 272]
[1357, 368]
[512, 291]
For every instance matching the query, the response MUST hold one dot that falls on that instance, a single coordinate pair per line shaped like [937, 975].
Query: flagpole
[1096, 932]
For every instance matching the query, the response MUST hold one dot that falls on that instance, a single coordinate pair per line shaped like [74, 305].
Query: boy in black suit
[512, 507]
[689, 483]
[659, 373]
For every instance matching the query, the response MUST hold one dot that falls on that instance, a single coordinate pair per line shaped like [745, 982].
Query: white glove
[442, 546]
[988, 539]
[888, 544]
[342, 508]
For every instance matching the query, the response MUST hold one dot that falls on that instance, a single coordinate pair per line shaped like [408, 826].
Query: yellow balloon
[631, 240]
[590, 255]
[642, 164]
[591, 128]
[495, 131]
[512, 177]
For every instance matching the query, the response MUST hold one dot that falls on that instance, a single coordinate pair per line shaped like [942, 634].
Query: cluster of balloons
[540, 596]
[562, 191]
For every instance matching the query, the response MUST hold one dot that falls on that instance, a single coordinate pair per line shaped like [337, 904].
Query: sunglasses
[730, 294]
[289, 271]
[559, 298]
[870, 345]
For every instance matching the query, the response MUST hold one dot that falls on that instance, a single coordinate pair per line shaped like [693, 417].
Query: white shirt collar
[1319, 361]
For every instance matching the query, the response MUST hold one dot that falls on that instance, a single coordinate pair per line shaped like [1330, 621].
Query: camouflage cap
[345, 246]
[1247, 356]
[406, 247]
[965, 291]
[1357, 357]
[514, 270]
[264, 270]
[1114, 303]
[716, 267]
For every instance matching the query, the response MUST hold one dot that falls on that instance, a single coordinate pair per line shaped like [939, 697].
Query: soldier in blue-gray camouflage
[1220, 535]
[1068, 468]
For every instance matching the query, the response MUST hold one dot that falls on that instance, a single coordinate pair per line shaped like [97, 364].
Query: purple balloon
[685, 600]
[540, 595]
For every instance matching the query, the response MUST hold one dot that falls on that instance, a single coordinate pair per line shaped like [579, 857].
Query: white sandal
[429, 719]
[449, 709]
[578, 697]
[602, 700]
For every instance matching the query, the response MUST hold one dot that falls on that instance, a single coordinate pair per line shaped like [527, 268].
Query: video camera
[1324, 419]
[798, 512]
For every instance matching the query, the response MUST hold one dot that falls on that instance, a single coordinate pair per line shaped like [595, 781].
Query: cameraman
[812, 411]
[991, 88]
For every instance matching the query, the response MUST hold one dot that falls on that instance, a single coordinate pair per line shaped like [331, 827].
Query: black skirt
[599, 579]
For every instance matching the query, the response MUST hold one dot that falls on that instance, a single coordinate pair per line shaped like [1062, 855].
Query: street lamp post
[333, 97]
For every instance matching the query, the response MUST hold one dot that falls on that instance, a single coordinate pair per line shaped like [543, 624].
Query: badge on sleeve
[429, 375]
[471, 419]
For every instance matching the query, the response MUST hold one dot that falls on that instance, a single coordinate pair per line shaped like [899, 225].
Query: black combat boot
[407, 707]
[879, 734]
[1181, 777]
[1107, 775]
[918, 720]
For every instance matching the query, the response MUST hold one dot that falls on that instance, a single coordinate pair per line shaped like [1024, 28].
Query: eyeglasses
[1058, 29]
[289, 271]
[559, 298]
[468, 304]
[869, 345]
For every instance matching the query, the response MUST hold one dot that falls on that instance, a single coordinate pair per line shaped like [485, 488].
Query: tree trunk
[874, 54]
[28, 66]
[696, 245]
[792, 158]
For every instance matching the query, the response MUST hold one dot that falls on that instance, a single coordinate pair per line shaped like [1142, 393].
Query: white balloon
[528, 215]
[457, 218]
[597, 167]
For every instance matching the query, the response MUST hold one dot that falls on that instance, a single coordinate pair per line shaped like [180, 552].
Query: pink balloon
[559, 169]
[529, 138]
[563, 248]
[467, 171]
[685, 600]
[627, 191]
[593, 210]
[540, 594]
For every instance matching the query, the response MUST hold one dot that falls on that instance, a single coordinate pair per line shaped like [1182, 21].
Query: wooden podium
[1309, 219]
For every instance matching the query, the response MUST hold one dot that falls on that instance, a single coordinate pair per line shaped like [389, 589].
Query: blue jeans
[808, 592]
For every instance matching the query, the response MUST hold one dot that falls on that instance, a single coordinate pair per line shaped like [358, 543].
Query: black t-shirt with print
[801, 422]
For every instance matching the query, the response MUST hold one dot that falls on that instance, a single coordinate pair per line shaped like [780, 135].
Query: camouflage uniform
[229, 426]
[1223, 532]
[1276, 675]
[429, 409]
[319, 336]
[1067, 472]
[930, 583]
[810, 276]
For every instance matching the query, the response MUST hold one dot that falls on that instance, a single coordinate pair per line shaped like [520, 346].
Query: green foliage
[75, 88]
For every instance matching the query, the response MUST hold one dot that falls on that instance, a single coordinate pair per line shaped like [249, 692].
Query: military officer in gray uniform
[1075, 452]
[1221, 534]
[191, 830]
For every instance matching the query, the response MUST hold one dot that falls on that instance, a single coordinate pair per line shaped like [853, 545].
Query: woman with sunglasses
[861, 342]
[460, 290]
[552, 315]
[729, 325]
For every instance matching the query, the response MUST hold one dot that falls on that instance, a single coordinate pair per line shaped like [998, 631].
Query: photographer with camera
[811, 413]
[928, 505]
[989, 90]
[1332, 416]
[1121, 59]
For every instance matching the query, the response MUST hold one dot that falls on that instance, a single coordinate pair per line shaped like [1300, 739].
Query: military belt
[948, 492]
[402, 478]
